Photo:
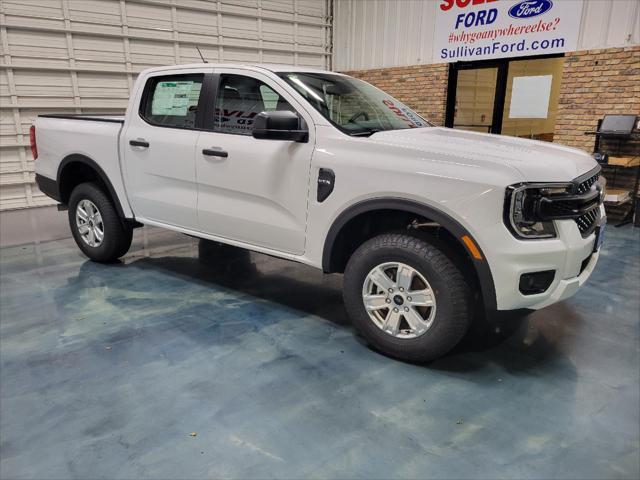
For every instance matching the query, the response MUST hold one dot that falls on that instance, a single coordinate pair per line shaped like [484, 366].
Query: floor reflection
[106, 369]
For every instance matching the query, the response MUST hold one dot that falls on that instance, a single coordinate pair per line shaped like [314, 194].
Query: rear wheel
[406, 297]
[95, 224]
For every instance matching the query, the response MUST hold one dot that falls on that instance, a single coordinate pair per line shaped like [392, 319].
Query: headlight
[522, 209]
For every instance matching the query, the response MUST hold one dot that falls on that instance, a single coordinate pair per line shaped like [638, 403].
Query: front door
[158, 149]
[253, 191]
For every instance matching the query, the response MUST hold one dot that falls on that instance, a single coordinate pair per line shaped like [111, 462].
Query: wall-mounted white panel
[389, 33]
[82, 56]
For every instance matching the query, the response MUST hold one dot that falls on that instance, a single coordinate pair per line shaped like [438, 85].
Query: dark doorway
[517, 97]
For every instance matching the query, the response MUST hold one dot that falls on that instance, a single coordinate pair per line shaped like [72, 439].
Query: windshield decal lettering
[404, 114]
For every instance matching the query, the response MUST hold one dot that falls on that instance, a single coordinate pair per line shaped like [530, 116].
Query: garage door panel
[239, 27]
[285, 18]
[4, 86]
[151, 53]
[278, 57]
[103, 104]
[310, 61]
[10, 158]
[245, 7]
[248, 43]
[100, 85]
[29, 43]
[189, 54]
[150, 34]
[284, 6]
[47, 104]
[43, 84]
[240, 55]
[190, 21]
[149, 17]
[98, 49]
[95, 11]
[33, 8]
[36, 23]
[7, 122]
[310, 35]
[280, 47]
[27, 118]
[40, 63]
[11, 196]
[278, 32]
[84, 58]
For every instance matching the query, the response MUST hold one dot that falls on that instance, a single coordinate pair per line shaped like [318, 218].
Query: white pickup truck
[426, 223]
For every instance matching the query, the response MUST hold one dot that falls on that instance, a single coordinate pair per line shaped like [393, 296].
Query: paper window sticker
[175, 98]
[530, 97]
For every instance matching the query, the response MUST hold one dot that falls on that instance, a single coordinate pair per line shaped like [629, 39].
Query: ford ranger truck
[425, 223]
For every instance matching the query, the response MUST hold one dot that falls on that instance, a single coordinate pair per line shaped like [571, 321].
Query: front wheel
[406, 297]
[95, 224]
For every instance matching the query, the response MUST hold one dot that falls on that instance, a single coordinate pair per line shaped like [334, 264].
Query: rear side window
[172, 101]
[240, 99]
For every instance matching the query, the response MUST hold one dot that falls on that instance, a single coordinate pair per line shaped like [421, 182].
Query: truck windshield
[354, 106]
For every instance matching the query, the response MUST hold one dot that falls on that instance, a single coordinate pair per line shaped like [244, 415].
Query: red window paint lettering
[449, 4]
[398, 112]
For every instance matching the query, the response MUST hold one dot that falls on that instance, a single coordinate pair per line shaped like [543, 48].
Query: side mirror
[280, 125]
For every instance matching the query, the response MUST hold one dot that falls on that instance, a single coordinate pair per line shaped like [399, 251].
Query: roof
[273, 67]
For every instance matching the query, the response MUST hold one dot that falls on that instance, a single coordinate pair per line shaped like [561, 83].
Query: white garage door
[82, 56]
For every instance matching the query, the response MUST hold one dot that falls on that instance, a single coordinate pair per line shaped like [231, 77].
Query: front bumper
[567, 288]
[571, 255]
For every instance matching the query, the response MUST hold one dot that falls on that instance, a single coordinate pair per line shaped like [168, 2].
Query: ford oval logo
[530, 8]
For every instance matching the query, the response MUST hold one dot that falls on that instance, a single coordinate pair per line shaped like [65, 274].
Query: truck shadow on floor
[512, 340]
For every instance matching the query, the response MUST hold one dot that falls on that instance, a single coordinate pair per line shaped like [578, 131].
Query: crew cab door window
[172, 101]
[240, 99]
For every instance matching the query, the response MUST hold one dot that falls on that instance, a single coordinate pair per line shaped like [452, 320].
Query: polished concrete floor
[192, 360]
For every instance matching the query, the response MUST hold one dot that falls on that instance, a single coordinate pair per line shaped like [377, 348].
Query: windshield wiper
[367, 132]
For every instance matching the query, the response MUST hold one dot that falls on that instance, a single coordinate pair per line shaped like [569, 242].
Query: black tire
[454, 305]
[117, 235]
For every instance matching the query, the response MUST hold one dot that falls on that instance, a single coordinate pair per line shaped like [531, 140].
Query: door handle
[215, 153]
[139, 143]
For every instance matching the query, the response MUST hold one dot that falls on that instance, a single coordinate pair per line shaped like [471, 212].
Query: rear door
[256, 192]
[158, 145]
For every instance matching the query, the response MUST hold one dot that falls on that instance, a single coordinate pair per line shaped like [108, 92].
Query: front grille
[587, 222]
[585, 186]
[560, 209]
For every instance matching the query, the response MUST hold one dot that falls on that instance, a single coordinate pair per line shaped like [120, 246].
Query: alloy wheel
[399, 300]
[89, 223]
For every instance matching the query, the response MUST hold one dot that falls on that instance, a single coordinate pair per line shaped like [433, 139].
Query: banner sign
[468, 30]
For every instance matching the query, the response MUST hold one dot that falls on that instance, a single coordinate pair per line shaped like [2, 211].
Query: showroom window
[240, 99]
[172, 101]
[517, 97]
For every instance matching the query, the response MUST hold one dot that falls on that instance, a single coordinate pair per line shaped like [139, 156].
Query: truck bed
[93, 138]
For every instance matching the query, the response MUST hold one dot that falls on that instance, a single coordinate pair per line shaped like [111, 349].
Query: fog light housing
[536, 282]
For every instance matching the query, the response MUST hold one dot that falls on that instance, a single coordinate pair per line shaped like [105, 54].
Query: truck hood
[536, 161]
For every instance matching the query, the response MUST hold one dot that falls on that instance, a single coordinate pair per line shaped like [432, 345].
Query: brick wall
[421, 87]
[594, 83]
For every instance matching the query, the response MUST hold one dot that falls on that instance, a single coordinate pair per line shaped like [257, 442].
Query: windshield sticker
[404, 113]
